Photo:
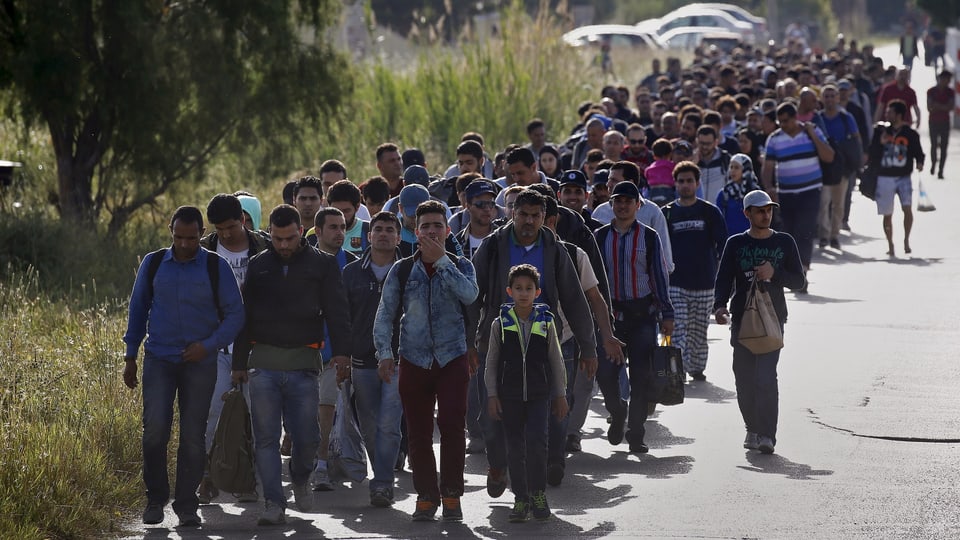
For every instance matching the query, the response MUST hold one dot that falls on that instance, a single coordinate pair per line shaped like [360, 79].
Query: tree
[141, 94]
[942, 13]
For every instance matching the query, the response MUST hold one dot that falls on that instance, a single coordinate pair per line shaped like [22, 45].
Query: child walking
[525, 379]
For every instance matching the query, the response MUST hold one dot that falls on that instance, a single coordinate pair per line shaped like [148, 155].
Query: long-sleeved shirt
[635, 265]
[182, 310]
[698, 233]
[650, 215]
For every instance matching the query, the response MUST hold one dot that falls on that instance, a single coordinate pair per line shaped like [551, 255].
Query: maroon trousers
[445, 390]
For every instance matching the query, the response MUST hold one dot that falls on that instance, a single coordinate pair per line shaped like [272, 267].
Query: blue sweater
[182, 310]
[697, 234]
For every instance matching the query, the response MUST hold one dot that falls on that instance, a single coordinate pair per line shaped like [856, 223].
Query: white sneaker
[321, 480]
[303, 497]
[751, 442]
[273, 514]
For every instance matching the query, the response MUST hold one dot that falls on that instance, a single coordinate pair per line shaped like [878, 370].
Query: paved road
[869, 423]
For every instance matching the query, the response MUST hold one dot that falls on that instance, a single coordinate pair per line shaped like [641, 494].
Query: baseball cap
[626, 189]
[413, 196]
[413, 156]
[416, 174]
[843, 84]
[574, 177]
[477, 188]
[601, 177]
[758, 198]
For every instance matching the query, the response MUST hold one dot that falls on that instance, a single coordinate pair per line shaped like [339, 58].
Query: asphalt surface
[868, 437]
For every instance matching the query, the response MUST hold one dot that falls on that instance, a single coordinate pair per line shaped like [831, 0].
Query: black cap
[574, 177]
[601, 177]
[626, 189]
[413, 156]
[477, 188]
[416, 174]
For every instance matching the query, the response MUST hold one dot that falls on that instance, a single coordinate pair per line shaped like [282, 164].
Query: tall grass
[69, 439]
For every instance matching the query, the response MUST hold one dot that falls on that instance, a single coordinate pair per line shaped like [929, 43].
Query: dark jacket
[288, 309]
[562, 287]
[578, 232]
[363, 294]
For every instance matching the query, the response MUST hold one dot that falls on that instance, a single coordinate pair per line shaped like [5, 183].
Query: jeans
[757, 392]
[224, 384]
[939, 138]
[640, 335]
[476, 405]
[191, 384]
[493, 436]
[525, 426]
[557, 433]
[293, 396]
[379, 412]
[445, 390]
[832, 202]
[799, 212]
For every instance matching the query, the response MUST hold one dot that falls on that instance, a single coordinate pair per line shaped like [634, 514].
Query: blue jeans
[292, 395]
[557, 434]
[191, 384]
[758, 394]
[798, 214]
[525, 426]
[223, 386]
[640, 335]
[379, 411]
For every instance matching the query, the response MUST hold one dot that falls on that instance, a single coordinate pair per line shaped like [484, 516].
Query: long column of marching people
[493, 298]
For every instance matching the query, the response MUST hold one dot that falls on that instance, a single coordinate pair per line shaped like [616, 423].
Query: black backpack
[231, 456]
[213, 272]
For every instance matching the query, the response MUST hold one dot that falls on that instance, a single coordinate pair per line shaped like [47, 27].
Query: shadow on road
[777, 464]
[708, 392]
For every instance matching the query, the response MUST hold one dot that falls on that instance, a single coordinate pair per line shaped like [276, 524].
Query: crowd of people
[492, 298]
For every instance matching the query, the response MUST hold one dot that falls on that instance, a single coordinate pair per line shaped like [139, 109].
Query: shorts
[327, 384]
[887, 186]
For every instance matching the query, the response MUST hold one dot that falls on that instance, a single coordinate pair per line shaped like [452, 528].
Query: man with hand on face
[433, 367]
[292, 291]
[763, 254]
[190, 301]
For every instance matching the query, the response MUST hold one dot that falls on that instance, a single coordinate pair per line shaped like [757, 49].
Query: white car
[618, 35]
[759, 24]
[704, 17]
[690, 37]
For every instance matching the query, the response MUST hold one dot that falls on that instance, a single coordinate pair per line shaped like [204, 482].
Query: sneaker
[520, 512]
[555, 474]
[751, 441]
[207, 491]
[835, 243]
[541, 510]
[426, 511]
[303, 497]
[273, 514]
[845, 226]
[286, 445]
[153, 514]
[321, 480]
[451, 509]
[765, 444]
[401, 460]
[615, 431]
[823, 243]
[573, 444]
[247, 497]
[476, 446]
[697, 375]
[496, 482]
[188, 519]
[381, 497]
[639, 448]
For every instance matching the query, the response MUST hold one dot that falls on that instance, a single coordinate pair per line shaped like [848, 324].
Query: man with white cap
[772, 257]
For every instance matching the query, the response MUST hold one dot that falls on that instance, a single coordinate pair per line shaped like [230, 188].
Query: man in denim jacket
[433, 359]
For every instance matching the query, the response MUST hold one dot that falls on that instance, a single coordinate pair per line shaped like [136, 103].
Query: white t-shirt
[473, 244]
[588, 280]
[238, 262]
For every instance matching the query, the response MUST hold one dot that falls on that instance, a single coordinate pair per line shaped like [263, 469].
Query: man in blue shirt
[185, 323]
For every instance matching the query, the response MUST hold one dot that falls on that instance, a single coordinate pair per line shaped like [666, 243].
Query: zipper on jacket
[524, 344]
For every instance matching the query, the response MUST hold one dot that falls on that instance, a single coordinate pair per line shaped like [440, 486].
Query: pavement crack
[816, 420]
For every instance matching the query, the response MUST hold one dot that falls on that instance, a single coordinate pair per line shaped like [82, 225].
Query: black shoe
[425, 511]
[555, 474]
[573, 444]
[615, 431]
[639, 448]
[520, 512]
[452, 511]
[940, 176]
[835, 243]
[803, 290]
[153, 514]
[698, 375]
[188, 519]
[496, 482]
[823, 243]
[541, 510]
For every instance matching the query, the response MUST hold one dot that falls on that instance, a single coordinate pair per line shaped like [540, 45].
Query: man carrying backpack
[190, 301]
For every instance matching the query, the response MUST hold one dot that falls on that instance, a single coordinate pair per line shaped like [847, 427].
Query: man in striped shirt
[640, 296]
[794, 151]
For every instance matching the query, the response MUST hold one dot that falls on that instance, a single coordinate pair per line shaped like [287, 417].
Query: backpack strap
[154, 258]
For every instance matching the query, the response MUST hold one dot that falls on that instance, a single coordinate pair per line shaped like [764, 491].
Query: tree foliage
[141, 94]
[943, 13]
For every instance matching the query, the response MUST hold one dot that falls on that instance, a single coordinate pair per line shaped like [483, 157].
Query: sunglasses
[483, 205]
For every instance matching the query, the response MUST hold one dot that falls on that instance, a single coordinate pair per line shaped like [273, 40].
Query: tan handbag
[760, 329]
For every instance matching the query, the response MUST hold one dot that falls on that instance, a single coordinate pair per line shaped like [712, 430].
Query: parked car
[759, 24]
[703, 17]
[691, 37]
[618, 35]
